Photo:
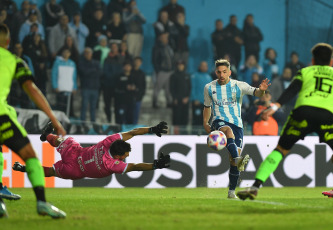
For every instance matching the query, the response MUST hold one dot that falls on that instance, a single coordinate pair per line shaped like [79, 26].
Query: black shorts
[305, 120]
[12, 134]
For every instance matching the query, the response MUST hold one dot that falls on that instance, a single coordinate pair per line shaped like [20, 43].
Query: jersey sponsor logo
[326, 126]
[228, 101]
[79, 161]
[292, 131]
[328, 136]
[233, 89]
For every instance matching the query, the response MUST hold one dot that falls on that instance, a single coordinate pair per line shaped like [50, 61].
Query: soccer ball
[216, 140]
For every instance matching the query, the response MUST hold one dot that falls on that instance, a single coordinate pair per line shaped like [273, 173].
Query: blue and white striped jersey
[226, 100]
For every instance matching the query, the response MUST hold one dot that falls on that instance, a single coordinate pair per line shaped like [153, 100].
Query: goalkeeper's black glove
[162, 162]
[159, 129]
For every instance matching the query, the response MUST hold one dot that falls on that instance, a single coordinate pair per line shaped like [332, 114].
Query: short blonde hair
[222, 62]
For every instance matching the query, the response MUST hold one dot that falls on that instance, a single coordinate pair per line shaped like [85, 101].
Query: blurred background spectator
[71, 7]
[218, 40]
[134, 20]
[80, 29]
[173, 8]
[251, 66]
[271, 68]
[252, 36]
[53, 12]
[294, 64]
[233, 37]
[140, 87]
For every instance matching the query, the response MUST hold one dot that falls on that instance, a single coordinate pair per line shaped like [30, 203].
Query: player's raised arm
[157, 129]
[38, 98]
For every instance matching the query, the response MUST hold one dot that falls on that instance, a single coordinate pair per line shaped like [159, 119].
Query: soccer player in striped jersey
[313, 112]
[223, 98]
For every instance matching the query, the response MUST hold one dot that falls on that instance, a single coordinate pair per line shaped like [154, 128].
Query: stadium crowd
[96, 51]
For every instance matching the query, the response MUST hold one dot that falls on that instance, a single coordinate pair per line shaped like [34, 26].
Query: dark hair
[294, 53]
[267, 50]
[322, 53]
[222, 62]
[119, 147]
[138, 58]
[4, 29]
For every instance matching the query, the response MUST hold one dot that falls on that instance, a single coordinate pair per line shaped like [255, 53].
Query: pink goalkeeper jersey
[96, 161]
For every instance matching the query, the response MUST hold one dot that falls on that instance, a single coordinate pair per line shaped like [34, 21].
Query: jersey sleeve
[246, 88]
[118, 167]
[110, 139]
[207, 97]
[299, 76]
[22, 71]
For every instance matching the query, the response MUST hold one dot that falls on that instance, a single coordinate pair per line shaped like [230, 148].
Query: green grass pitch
[173, 208]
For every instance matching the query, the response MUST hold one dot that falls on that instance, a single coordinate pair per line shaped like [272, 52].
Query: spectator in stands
[96, 26]
[252, 36]
[113, 65]
[140, 87]
[58, 34]
[198, 81]
[271, 68]
[173, 8]
[81, 31]
[90, 75]
[101, 51]
[233, 37]
[234, 70]
[164, 25]
[53, 12]
[218, 37]
[134, 20]
[3, 15]
[25, 28]
[180, 89]
[64, 83]
[17, 96]
[90, 8]
[294, 63]
[124, 52]
[18, 19]
[10, 7]
[69, 44]
[71, 7]
[33, 6]
[279, 84]
[260, 127]
[125, 95]
[116, 31]
[181, 48]
[251, 66]
[162, 58]
[35, 48]
[116, 6]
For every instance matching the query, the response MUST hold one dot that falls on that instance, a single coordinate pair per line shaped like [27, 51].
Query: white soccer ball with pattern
[217, 140]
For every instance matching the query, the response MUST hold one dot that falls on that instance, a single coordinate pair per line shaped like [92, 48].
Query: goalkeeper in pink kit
[100, 160]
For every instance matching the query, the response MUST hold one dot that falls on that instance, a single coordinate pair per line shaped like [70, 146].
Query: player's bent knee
[27, 152]
[227, 131]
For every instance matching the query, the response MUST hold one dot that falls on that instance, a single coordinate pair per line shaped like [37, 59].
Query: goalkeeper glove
[162, 162]
[159, 129]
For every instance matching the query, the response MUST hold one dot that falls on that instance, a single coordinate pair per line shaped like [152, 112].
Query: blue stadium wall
[270, 17]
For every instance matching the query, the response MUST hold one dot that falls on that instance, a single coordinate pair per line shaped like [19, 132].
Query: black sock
[257, 183]
[1, 201]
[40, 193]
[1, 185]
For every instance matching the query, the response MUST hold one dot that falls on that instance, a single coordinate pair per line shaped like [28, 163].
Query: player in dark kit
[313, 112]
[12, 134]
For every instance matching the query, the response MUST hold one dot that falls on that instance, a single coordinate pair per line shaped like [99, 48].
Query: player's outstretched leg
[3, 211]
[6, 194]
[48, 129]
[44, 208]
[329, 194]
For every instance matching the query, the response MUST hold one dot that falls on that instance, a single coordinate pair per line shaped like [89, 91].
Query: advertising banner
[193, 164]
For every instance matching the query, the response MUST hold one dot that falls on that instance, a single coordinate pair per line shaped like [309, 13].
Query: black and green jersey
[11, 67]
[316, 91]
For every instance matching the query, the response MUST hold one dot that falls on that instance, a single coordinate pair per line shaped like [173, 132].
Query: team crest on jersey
[116, 162]
[221, 123]
[233, 90]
